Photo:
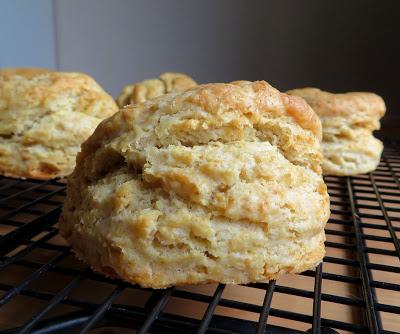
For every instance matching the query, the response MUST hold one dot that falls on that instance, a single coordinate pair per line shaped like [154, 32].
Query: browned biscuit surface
[344, 104]
[149, 89]
[220, 183]
[44, 118]
[348, 120]
[26, 72]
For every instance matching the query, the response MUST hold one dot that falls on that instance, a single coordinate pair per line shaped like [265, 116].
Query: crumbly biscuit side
[351, 157]
[348, 120]
[220, 183]
[44, 117]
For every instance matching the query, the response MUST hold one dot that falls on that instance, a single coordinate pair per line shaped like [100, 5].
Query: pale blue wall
[27, 33]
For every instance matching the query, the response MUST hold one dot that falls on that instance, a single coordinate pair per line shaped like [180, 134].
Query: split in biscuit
[220, 183]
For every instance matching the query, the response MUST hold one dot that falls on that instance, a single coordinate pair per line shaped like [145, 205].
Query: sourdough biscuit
[348, 145]
[44, 118]
[151, 88]
[220, 183]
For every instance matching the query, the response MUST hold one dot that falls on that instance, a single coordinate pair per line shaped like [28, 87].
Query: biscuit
[44, 118]
[220, 183]
[151, 88]
[348, 119]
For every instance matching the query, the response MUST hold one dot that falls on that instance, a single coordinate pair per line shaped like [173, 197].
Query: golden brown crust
[294, 106]
[148, 89]
[44, 117]
[303, 114]
[31, 174]
[344, 104]
[219, 183]
[27, 72]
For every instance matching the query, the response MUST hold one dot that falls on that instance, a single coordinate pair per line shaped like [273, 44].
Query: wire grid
[44, 289]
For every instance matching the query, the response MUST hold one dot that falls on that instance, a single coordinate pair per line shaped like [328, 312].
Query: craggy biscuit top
[239, 111]
[368, 105]
[44, 117]
[23, 89]
[26, 72]
[251, 111]
[148, 89]
[220, 183]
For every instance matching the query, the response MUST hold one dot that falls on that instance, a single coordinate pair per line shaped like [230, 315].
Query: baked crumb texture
[44, 118]
[348, 120]
[221, 183]
[149, 89]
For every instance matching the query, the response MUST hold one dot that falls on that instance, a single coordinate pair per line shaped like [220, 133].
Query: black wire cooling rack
[44, 289]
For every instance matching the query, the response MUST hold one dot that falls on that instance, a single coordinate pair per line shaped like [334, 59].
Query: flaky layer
[44, 118]
[149, 89]
[220, 183]
[348, 120]
[359, 155]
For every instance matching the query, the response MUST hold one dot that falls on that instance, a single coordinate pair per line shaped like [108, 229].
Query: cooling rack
[44, 289]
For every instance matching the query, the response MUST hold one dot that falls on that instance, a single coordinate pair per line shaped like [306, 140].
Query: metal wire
[12, 292]
[359, 205]
[54, 301]
[262, 321]
[316, 324]
[386, 216]
[366, 287]
[210, 309]
[96, 316]
[155, 312]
